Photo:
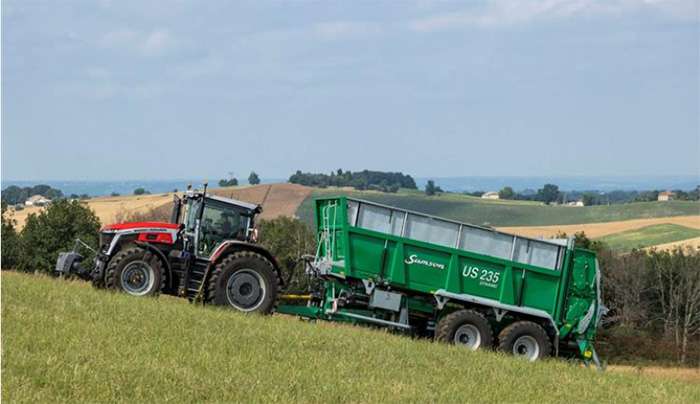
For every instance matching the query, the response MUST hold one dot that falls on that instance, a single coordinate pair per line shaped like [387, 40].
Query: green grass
[65, 342]
[510, 213]
[649, 236]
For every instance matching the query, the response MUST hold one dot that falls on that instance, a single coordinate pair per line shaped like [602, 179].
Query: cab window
[220, 222]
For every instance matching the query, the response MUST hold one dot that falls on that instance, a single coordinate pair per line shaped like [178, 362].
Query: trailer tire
[245, 281]
[145, 272]
[465, 327]
[525, 339]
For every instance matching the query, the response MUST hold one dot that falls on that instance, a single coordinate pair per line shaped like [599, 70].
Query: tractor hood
[140, 225]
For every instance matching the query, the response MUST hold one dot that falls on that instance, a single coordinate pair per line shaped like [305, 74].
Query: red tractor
[207, 253]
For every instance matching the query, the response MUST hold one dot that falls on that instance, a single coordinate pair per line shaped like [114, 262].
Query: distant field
[66, 342]
[649, 236]
[513, 213]
[597, 230]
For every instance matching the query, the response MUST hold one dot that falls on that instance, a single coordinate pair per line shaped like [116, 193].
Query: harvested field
[108, 209]
[691, 243]
[277, 200]
[596, 230]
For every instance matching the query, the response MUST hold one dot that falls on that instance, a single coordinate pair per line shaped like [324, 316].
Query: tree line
[550, 193]
[360, 180]
[232, 181]
[14, 195]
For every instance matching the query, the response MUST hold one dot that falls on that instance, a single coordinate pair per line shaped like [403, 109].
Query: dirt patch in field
[595, 230]
[683, 374]
[276, 199]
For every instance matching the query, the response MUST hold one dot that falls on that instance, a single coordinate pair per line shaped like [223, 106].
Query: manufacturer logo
[413, 259]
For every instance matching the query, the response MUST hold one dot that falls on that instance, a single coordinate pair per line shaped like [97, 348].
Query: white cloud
[148, 43]
[345, 29]
[511, 12]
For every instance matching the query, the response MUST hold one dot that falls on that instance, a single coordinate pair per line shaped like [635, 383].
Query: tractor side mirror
[177, 207]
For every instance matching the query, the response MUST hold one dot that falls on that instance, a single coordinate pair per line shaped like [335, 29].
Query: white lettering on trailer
[486, 277]
[413, 259]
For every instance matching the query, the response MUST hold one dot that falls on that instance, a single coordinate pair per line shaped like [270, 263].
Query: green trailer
[451, 281]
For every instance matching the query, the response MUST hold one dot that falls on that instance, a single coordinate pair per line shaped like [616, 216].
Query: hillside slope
[66, 342]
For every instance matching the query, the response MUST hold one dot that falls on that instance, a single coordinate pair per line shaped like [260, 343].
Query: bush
[288, 239]
[10, 241]
[54, 230]
[140, 191]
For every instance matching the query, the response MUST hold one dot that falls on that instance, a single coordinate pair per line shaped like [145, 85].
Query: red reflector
[165, 238]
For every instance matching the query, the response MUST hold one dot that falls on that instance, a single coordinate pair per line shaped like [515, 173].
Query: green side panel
[371, 256]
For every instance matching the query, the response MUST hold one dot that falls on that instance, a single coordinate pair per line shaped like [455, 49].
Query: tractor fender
[234, 245]
[162, 257]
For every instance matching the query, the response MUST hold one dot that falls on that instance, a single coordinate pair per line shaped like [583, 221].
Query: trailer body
[409, 271]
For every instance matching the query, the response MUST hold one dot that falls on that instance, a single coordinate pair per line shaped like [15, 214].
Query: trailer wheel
[136, 272]
[466, 328]
[245, 281]
[526, 340]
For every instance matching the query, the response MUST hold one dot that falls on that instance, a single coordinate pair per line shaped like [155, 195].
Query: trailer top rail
[451, 233]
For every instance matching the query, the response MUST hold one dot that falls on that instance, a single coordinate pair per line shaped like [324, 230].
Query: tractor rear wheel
[467, 328]
[526, 340]
[136, 272]
[245, 281]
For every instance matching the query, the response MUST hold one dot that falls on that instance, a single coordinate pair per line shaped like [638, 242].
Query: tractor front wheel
[245, 281]
[136, 272]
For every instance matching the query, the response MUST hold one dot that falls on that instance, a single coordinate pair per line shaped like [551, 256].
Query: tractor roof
[247, 205]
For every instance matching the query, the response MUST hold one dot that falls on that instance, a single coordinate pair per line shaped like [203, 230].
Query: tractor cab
[209, 220]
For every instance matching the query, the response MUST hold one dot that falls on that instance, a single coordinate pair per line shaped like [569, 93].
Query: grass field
[512, 213]
[65, 342]
[649, 236]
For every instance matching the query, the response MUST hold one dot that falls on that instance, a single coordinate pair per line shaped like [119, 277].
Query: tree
[678, 291]
[506, 193]
[588, 199]
[140, 191]
[253, 178]
[54, 230]
[10, 241]
[114, 194]
[548, 194]
[430, 188]
[288, 239]
[230, 182]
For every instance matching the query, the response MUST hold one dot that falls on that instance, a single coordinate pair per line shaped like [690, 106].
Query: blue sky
[183, 89]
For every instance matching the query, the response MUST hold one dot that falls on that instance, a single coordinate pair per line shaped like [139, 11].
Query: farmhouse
[666, 196]
[37, 200]
[491, 195]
